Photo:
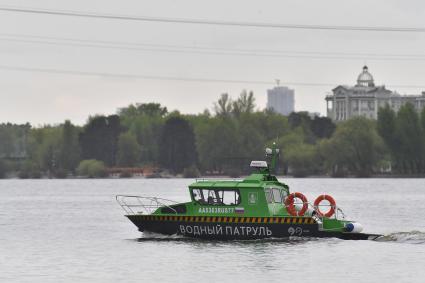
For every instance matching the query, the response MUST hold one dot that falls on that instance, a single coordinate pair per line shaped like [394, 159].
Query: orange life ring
[290, 206]
[331, 201]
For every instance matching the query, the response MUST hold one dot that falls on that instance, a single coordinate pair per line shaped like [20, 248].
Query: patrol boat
[256, 207]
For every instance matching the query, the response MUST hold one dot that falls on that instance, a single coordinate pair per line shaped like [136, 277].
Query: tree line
[220, 142]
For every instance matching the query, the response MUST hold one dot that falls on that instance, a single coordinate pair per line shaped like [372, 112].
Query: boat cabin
[253, 196]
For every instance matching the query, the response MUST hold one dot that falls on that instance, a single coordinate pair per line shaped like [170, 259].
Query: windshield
[275, 195]
[216, 196]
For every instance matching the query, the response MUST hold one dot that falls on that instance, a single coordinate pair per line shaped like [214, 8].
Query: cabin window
[216, 196]
[229, 197]
[277, 195]
[197, 195]
[269, 195]
[284, 194]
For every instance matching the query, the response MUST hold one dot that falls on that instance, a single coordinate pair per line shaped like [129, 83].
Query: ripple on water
[413, 237]
[74, 231]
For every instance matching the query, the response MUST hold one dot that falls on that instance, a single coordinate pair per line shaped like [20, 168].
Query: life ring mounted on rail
[332, 202]
[290, 205]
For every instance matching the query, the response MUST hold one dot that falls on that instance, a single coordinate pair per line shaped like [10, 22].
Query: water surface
[74, 231]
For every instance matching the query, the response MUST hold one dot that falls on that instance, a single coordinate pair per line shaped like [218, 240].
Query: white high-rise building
[281, 100]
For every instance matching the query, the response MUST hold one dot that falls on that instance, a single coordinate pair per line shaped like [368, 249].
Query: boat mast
[266, 168]
[275, 156]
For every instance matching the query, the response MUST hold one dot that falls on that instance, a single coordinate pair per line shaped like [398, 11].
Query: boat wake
[413, 237]
[150, 236]
[155, 237]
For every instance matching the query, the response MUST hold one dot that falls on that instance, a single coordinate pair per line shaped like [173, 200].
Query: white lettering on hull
[217, 210]
[227, 231]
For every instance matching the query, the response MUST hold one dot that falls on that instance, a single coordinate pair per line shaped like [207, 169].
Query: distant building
[365, 99]
[281, 100]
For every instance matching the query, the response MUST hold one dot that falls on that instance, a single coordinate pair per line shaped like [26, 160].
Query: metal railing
[143, 205]
[218, 180]
[312, 210]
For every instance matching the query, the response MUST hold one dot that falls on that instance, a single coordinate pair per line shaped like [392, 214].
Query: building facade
[365, 99]
[281, 100]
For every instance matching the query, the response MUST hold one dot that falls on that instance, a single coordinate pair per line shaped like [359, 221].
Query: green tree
[46, 150]
[386, 125]
[7, 141]
[152, 109]
[299, 119]
[217, 141]
[178, 150]
[244, 104]
[13, 140]
[145, 121]
[423, 119]
[250, 143]
[69, 155]
[131, 112]
[422, 116]
[270, 125]
[99, 139]
[322, 127]
[3, 169]
[303, 159]
[290, 140]
[92, 168]
[191, 172]
[128, 150]
[410, 140]
[223, 107]
[29, 169]
[355, 148]
[302, 120]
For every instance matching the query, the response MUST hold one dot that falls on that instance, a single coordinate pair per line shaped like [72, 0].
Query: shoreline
[220, 177]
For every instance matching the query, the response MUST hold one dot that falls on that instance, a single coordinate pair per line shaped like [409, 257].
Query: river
[74, 231]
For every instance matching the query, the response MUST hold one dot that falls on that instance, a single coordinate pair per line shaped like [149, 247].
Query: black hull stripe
[226, 219]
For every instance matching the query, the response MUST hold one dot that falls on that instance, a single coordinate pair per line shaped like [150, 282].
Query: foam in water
[413, 237]
[151, 236]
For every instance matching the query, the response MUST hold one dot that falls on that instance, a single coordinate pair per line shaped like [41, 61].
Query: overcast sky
[41, 98]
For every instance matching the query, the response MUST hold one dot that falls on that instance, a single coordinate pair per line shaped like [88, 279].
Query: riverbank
[208, 177]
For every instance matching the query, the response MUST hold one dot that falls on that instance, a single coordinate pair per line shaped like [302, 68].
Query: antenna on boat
[263, 166]
[274, 153]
